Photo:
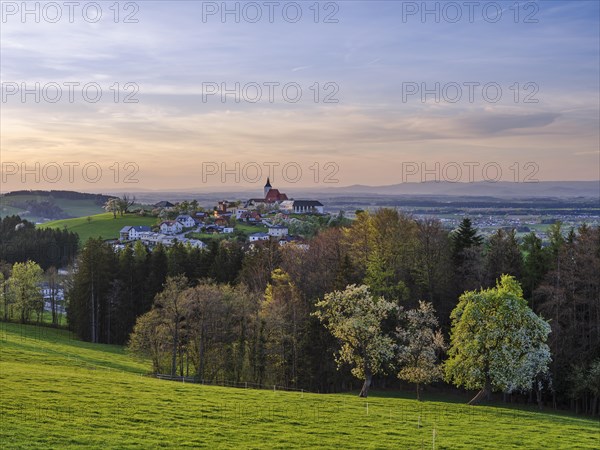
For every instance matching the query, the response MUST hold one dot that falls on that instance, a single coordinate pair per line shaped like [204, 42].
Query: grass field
[58, 392]
[102, 225]
[249, 229]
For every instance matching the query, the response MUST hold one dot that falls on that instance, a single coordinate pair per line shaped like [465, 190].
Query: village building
[132, 233]
[278, 231]
[186, 221]
[171, 227]
[302, 207]
[258, 237]
[271, 197]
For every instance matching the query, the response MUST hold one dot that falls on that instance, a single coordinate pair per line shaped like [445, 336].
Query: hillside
[39, 206]
[60, 392]
[101, 225]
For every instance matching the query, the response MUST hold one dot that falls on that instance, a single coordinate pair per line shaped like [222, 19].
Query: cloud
[482, 124]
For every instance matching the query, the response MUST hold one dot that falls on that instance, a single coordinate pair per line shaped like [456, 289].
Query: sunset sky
[173, 54]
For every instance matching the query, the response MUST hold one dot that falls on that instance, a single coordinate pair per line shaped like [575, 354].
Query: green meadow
[101, 225]
[58, 392]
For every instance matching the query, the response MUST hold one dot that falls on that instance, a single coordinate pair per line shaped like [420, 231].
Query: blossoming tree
[355, 317]
[497, 343]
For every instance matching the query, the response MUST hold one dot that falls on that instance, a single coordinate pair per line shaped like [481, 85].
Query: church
[270, 197]
[273, 195]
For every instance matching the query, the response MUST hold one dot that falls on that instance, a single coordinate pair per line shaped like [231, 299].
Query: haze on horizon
[180, 129]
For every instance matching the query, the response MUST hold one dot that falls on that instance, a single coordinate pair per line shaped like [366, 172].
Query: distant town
[264, 218]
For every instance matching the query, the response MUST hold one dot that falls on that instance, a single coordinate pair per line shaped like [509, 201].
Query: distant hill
[501, 189]
[41, 206]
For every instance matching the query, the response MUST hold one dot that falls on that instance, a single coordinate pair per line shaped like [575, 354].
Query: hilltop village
[274, 216]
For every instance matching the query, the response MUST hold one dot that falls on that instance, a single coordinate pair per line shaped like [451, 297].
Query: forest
[386, 299]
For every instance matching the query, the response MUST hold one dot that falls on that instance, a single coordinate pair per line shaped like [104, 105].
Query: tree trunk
[418, 394]
[174, 350]
[483, 394]
[539, 398]
[364, 392]
[54, 313]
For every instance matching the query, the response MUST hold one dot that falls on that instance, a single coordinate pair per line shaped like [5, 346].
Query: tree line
[236, 312]
[21, 241]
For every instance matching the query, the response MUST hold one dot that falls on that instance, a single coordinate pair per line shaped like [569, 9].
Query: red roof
[275, 196]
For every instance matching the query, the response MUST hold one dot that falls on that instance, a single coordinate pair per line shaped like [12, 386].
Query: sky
[212, 95]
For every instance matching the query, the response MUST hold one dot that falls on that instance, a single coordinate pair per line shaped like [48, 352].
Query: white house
[195, 243]
[151, 238]
[186, 221]
[227, 230]
[171, 227]
[278, 231]
[168, 241]
[302, 206]
[49, 291]
[258, 237]
[132, 233]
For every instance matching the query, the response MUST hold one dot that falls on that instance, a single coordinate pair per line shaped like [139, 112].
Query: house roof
[125, 229]
[250, 214]
[164, 204]
[275, 196]
[141, 228]
[307, 203]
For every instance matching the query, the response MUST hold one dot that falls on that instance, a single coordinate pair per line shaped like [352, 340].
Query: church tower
[267, 187]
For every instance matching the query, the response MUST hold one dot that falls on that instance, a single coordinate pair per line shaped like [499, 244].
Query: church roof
[268, 183]
[275, 196]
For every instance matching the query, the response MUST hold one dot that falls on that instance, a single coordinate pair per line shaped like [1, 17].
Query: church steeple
[267, 187]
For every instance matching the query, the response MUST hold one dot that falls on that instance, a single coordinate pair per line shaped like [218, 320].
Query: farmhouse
[249, 216]
[278, 231]
[258, 237]
[171, 227]
[132, 233]
[227, 207]
[302, 206]
[186, 221]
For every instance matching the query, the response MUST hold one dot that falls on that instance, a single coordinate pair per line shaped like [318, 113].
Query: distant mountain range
[589, 190]
[559, 189]
[547, 189]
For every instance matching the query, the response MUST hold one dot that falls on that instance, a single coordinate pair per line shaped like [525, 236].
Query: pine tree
[87, 308]
[535, 265]
[464, 237]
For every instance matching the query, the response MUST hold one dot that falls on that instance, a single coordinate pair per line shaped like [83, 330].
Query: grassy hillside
[102, 225]
[60, 392]
[16, 205]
